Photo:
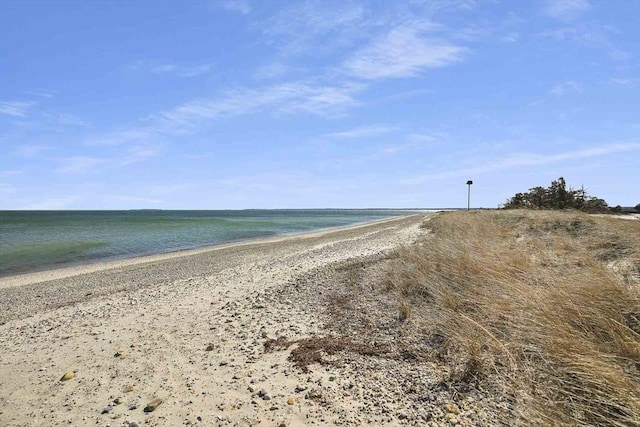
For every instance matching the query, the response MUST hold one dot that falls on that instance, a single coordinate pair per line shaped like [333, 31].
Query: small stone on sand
[153, 405]
[68, 376]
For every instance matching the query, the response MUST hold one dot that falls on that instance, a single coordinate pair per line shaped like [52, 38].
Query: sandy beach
[194, 329]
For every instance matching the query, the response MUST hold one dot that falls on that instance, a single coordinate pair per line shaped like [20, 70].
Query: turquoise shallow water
[37, 240]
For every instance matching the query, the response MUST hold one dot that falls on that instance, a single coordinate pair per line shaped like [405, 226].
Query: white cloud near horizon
[136, 199]
[124, 156]
[403, 52]
[7, 189]
[52, 203]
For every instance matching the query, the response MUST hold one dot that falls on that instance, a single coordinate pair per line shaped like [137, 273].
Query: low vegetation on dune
[541, 307]
[558, 196]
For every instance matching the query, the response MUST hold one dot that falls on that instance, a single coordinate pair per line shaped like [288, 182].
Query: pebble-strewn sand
[189, 329]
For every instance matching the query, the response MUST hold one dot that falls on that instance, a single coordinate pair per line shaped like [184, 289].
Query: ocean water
[38, 240]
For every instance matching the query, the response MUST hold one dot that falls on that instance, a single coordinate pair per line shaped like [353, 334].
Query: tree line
[557, 196]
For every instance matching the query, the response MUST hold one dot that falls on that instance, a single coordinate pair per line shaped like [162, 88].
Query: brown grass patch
[543, 307]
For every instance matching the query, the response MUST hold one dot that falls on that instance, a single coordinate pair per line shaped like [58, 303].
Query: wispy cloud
[628, 82]
[31, 150]
[315, 16]
[564, 9]
[13, 172]
[66, 119]
[322, 100]
[528, 159]
[42, 93]
[170, 68]
[588, 34]
[511, 37]
[474, 32]
[138, 153]
[240, 6]
[312, 28]
[16, 108]
[363, 132]
[122, 156]
[275, 69]
[79, 164]
[132, 134]
[565, 88]
[427, 138]
[284, 98]
[401, 96]
[316, 26]
[181, 71]
[194, 71]
[144, 139]
[403, 52]
[163, 68]
[413, 142]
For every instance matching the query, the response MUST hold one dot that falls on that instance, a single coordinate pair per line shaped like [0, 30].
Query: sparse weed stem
[404, 311]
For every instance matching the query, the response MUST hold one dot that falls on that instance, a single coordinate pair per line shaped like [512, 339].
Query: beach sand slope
[189, 330]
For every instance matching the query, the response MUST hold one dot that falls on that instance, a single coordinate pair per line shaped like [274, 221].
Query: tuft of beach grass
[541, 307]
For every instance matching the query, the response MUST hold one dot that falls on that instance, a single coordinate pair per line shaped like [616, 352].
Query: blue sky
[266, 104]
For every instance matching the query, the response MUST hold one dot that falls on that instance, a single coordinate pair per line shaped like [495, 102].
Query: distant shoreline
[39, 241]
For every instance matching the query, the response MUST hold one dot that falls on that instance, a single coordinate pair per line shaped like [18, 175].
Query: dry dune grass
[541, 307]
